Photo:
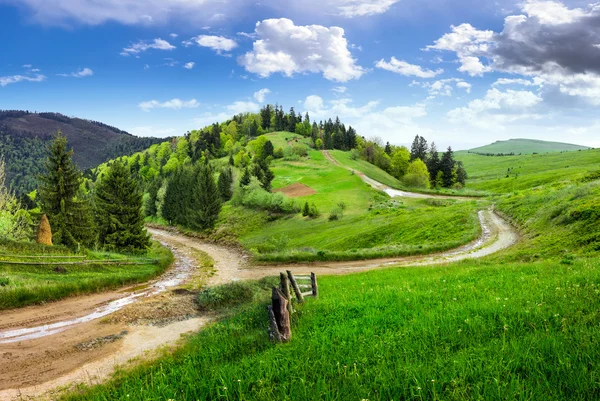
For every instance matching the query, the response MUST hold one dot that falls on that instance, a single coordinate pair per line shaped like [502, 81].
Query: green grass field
[33, 284]
[372, 226]
[521, 324]
[526, 147]
[504, 174]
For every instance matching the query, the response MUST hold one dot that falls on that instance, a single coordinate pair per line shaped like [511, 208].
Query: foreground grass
[470, 331]
[31, 284]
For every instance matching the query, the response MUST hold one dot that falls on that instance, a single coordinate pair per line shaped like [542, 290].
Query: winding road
[83, 339]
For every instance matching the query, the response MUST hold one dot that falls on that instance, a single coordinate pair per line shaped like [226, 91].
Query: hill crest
[526, 146]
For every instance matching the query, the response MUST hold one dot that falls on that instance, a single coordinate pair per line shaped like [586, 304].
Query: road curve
[392, 192]
[34, 366]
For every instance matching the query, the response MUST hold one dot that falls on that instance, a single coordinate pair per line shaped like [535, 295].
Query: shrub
[336, 213]
[226, 295]
[254, 196]
[4, 281]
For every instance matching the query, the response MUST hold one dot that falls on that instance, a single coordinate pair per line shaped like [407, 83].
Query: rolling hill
[24, 136]
[525, 146]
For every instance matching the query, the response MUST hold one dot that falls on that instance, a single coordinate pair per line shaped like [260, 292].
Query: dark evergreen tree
[268, 149]
[246, 178]
[388, 148]
[267, 177]
[265, 116]
[205, 204]
[305, 210]
[119, 211]
[433, 162]
[225, 184]
[418, 149]
[307, 118]
[447, 167]
[315, 131]
[68, 211]
[231, 162]
[292, 120]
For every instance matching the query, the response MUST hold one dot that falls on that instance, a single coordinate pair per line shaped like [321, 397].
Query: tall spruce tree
[205, 204]
[461, 173]
[119, 211]
[447, 167]
[433, 162]
[225, 184]
[246, 178]
[68, 211]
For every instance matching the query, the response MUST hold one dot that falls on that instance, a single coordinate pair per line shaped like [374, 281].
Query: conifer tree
[61, 199]
[246, 178]
[225, 184]
[433, 162]
[447, 167]
[206, 201]
[119, 211]
[305, 210]
[267, 177]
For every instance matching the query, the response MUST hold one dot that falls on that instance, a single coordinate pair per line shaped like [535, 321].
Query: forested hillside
[24, 137]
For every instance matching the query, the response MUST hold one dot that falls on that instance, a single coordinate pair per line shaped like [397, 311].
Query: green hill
[526, 146]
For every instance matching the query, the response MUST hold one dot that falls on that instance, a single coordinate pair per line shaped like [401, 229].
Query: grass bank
[33, 284]
[474, 330]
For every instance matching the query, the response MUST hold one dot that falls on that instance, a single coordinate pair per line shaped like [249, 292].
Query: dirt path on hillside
[392, 192]
[89, 352]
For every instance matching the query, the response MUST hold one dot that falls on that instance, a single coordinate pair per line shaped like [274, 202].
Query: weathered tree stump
[285, 287]
[281, 317]
[295, 287]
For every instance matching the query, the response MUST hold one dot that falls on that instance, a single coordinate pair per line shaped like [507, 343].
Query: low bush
[255, 197]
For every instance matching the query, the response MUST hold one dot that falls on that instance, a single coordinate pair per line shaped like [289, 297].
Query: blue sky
[459, 72]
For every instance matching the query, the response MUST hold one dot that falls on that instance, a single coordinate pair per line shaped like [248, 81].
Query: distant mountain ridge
[24, 136]
[526, 146]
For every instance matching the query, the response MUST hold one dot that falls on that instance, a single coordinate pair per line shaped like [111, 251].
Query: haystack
[44, 234]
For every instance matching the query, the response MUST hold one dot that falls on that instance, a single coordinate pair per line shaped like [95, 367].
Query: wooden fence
[281, 307]
[50, 260]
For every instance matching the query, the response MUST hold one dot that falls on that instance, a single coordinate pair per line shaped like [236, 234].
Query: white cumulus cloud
[139, 47]
[84, 72]
[286, 48]
[19, 78]
[219, 44]
[261, 94]
[403, 68]
[189, 65]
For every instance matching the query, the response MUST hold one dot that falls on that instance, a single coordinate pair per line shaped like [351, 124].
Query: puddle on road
[173, 278]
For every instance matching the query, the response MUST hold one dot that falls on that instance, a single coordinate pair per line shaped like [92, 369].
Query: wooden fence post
[281, 315]
[315, 287]
[285, 287]
[274, 334]
[295, 287]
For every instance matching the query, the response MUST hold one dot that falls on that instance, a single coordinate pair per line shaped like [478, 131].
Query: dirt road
[89, 350]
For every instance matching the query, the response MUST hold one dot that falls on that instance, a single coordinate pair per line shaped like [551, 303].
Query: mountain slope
[24, 136]
[526, 146]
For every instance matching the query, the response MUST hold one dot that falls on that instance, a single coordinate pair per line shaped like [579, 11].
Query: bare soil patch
[296, 190]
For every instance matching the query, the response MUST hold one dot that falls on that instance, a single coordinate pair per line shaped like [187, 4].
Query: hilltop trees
[119, 211]
[61, 198]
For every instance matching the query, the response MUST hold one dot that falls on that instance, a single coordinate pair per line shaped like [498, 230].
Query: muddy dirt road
[34, 359]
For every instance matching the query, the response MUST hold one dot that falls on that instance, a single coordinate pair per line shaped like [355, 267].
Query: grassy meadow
[523, 324]
[504, 174]
[27, 284]
[372, 225]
